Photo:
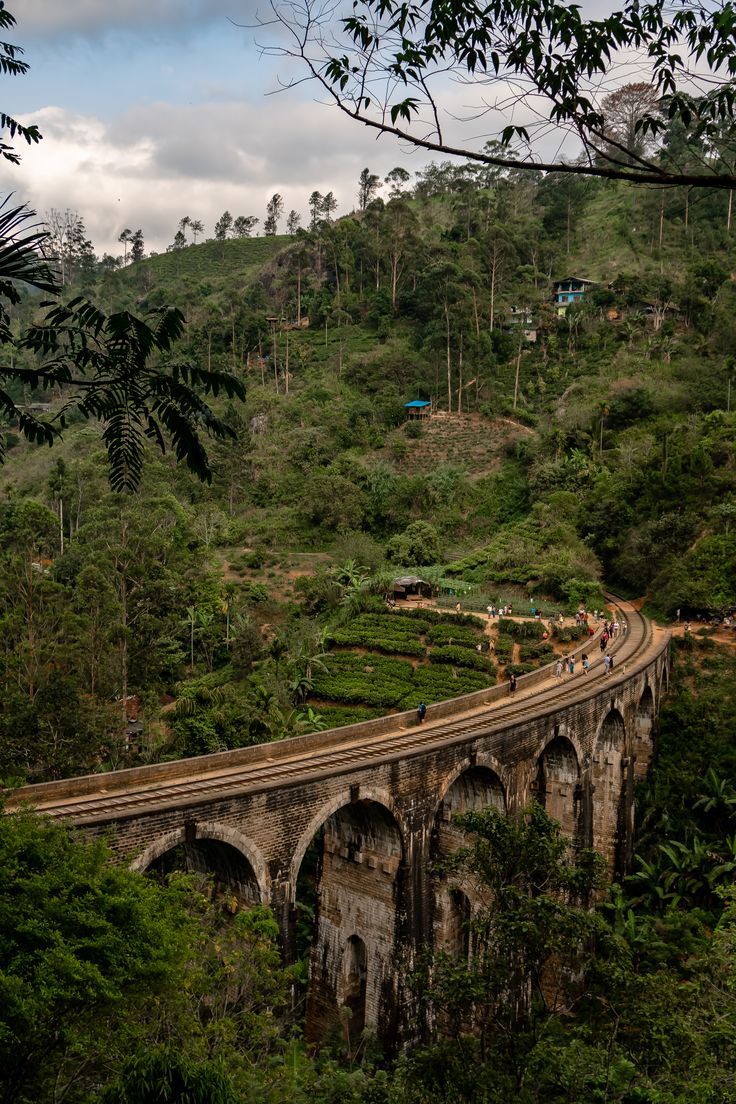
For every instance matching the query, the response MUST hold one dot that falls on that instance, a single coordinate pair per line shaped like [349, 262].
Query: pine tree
[368, 185]
[137, 246]
[274, 211]
[223, 226]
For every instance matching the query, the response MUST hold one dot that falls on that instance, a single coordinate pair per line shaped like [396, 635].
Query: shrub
[460, 635]
[413, 430]
[418, 544]
[254, 593]
[520, 668]
[543, 651]
[567, 633]
[399, 644]
[463, 657]
[522, 630]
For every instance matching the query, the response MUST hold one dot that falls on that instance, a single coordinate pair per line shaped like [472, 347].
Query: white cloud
[156, 163]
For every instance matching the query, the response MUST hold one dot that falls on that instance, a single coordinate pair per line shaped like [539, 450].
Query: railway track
[269, 772]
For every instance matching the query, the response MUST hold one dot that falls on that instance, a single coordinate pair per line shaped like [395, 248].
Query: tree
[223, 226]
[329, 206]
[184, 223]
[197, 228]
[105, 361]
[623, 112]
[315, 209]
[293, 223]
[137, 246]
[243, 225]
[368, 186]
[85, 947]
[381, 64]
[397, 180]
[532, 935]
[12, 65]
[67, 243]
[124, 239]
[419, 545]
[274, 211]
[179, 241]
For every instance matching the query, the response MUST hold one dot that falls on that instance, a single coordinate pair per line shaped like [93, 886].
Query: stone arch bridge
[377, 800]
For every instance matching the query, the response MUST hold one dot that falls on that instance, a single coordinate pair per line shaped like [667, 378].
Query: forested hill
[600, 451]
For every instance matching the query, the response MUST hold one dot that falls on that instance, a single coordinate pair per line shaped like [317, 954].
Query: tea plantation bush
[543, 651]
[522, 630]
[520, 668]
[567, 633]
[462, 657]
[399, 644]
[379, 682]
[463, 637]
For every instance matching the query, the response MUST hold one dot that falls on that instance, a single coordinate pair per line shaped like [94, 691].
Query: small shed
[419, 408]
[571, 289]
[411, 586]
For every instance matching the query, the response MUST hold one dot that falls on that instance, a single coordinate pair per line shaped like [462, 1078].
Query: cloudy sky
[155, 109]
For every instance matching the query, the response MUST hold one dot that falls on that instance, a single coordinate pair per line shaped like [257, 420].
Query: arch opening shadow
[557, 786]
[228, 870]
[355, 984]
[643, 734]
[452, 902]
[612, 777]
[352, 878]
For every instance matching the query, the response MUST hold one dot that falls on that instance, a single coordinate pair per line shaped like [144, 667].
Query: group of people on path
[566, 664]
[499, 611]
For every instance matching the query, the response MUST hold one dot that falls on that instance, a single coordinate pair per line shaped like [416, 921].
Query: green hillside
[190, 617]
[601, 453]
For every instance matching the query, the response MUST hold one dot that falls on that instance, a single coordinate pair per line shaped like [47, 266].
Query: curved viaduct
[378, 798]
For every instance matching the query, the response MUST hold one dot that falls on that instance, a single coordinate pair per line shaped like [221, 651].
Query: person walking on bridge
[421, 712]
[512, 684]
[607, 663]
[558, 669]
[585, 662]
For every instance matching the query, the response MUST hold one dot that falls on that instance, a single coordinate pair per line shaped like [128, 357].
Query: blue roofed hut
[419, 408]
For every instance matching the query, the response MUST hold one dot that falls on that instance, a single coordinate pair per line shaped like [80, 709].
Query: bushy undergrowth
[521, 630]
[461, 657]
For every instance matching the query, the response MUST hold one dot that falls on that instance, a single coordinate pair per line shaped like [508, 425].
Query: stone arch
[643, 733]
[481, 760]
[612, 779]
[474, 786]
[233, 858]
[339, 801]
[358, 887]
[557, 784]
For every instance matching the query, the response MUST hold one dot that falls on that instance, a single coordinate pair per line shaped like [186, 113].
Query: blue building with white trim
[570, 290]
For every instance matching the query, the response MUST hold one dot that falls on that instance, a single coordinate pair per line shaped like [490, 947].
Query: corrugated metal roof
[419, 402]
